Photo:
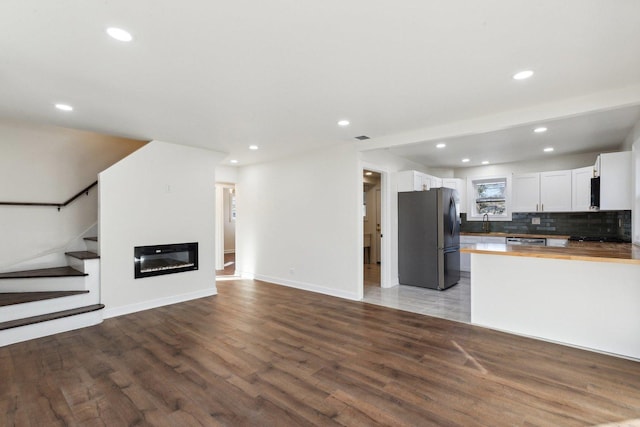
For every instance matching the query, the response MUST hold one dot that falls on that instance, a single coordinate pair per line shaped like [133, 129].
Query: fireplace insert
[165, 259]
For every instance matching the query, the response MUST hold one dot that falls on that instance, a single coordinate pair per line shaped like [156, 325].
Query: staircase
[46, 301]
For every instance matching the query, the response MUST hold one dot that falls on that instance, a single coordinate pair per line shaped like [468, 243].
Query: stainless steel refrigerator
[429, 238]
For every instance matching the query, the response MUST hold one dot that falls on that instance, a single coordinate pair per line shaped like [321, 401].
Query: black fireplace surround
[165, 259]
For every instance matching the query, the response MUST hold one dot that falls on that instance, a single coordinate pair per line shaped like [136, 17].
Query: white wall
[298, 222]
[226, 174]
[161, 194]
[633, 143]
[49, 164]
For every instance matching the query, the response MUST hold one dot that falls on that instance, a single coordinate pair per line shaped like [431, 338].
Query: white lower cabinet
[469, 241]
[557, 242]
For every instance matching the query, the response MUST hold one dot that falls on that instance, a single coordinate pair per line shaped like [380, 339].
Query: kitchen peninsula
[585, 294]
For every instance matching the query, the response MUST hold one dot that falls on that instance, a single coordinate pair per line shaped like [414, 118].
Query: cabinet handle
[542, 208]
[536, 207]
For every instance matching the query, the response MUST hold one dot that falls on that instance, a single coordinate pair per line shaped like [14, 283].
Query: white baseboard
[159, 302]
[306, 287]
[229, 251]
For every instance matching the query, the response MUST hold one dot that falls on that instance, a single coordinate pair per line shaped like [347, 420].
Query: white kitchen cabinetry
[525, 196]
[557, 242]
[434, 181]
[581, 188]
[615, 181]
[412, 181]
[461, 186]
[542, 192]
[469, 241]
[555, 191]
[416, 181]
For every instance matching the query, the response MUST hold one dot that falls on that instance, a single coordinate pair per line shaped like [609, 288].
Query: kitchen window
[490, 196]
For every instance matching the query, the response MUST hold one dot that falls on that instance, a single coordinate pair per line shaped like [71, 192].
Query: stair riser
[36, 308]
[70, 283]
[92, 246]
[51, 327]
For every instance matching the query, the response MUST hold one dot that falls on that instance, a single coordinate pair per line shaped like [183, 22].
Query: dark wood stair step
[43, 272]
[83, 255]
[51, 316]
[11, 298]
[93, 239]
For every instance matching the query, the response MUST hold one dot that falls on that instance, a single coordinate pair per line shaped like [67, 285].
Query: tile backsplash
[600, 224]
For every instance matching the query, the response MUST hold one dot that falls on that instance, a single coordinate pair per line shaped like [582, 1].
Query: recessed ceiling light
[368, 173]
[466, 160]
[548, 149]
[343, 123]
[522, 75]
[64, 107]
[234, 161]
[485, 162]
[253, 147]
[540, 129]
[119, 34]
[441, 145]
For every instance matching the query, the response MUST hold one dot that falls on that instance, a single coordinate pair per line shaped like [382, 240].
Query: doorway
[371, 228]
[225, 230]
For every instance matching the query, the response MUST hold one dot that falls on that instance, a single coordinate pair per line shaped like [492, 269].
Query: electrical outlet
[535, 221]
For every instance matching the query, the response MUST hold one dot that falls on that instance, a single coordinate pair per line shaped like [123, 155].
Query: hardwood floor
[453, 303]
[229, 265]
[266, 355]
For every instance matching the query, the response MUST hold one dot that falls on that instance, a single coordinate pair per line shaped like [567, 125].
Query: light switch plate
[535, 221]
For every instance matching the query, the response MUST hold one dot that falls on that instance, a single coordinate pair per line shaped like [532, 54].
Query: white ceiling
[280, 74]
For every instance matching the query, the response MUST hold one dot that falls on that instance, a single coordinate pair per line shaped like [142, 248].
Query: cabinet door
[615, 181]
[581, 188]
[555, 191]
[525, 196]
[410, 181]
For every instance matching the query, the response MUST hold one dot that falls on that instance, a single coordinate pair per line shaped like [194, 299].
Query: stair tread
[51, 316]
[93, 239]
[83, 254]
[11, 298]
[43, 272]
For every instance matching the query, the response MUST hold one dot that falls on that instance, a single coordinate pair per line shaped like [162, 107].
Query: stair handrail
[57, 205]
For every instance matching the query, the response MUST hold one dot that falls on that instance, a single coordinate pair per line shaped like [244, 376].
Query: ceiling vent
[362, 137]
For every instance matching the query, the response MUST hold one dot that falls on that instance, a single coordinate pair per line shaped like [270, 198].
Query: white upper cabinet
[412, 181]
[615, 181]
[525, 196]
[416, 181]
[542, 192]
[555, 191]
[581, 188]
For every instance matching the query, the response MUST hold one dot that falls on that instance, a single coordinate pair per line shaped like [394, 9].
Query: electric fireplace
[164, 259]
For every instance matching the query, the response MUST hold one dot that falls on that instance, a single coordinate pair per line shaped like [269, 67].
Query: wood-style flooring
[453, 303]
[259, 354]
[229, 265]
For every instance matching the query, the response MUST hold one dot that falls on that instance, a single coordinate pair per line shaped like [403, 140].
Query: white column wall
[163, 193]
[297, 222]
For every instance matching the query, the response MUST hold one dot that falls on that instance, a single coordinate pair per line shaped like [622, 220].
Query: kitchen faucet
[485, 223]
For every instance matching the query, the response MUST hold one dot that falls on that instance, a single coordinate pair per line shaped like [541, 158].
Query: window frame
[472, 212]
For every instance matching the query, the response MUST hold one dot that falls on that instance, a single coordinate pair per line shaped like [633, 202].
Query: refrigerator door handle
[452, 215]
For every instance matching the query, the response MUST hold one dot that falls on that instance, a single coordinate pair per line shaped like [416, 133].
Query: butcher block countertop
[533, 236]
[626, 253]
